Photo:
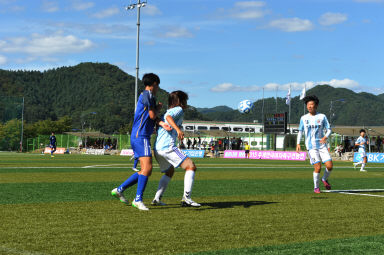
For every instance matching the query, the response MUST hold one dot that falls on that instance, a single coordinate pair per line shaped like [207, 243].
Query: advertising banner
[371, 157]
[126, 152]
[274, 155]
[58, 150]
[194, 153]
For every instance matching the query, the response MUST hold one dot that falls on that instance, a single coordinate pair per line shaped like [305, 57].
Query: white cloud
[329, 18]
[247, 10]
[50, 6]
[3, 60]
[295, 86]
[177, 32]
[106, 13]
[292, 24]
[45, 45]
[80, 6]
[151, 10]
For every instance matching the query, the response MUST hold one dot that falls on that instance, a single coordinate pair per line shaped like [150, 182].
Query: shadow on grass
[224, 205]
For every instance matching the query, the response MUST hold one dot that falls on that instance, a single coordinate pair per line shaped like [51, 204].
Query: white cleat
[135, 169]
[157, 202]
[119, 196]
[140, 205]
[187, 202]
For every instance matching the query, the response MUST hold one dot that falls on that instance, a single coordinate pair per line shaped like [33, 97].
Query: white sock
[316, 179]
[362, 166]
[163, 183]
[188, 182]
[326, 174]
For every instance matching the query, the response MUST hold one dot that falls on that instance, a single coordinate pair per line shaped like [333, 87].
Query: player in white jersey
[168, 155]
[313, 125]
[361, 143]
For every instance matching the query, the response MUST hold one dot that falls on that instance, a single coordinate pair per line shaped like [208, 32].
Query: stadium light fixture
[137, 5]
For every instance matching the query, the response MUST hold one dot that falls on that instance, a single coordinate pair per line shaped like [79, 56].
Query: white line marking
[357, 192]
[361, 194]
[16, 251]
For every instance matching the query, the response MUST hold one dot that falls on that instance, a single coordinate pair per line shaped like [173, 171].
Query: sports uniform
[166, 151]
[361, 142]
[52, 144]
[313, 127]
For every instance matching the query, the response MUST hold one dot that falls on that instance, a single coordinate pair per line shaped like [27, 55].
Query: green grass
[55, 206]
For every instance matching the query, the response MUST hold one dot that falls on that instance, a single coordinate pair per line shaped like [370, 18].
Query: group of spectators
[214, 145]
[100, 143]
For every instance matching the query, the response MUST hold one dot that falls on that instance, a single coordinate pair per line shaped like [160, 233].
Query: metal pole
[137, 51]
[22, 127]
[276, 99]
[262, 121]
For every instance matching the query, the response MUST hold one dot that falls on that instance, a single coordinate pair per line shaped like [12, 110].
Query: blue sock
[142, 182]
[132, 180]
[135, 162]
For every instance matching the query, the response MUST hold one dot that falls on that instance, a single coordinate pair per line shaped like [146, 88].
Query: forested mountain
[353, 108]
[99, 95]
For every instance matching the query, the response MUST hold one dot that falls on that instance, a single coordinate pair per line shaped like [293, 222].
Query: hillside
[356, 109]
[99, 95]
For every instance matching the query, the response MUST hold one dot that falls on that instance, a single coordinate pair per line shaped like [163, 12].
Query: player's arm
[328, 133]
[172, 122]
[300, 135]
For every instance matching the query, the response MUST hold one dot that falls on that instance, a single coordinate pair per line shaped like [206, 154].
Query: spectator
[339, 149]
[346, 144]
[194, 143]
[189, 142]
[351, 144]
[379, 144]
[199, 143]
[373, 144]
[239, 144]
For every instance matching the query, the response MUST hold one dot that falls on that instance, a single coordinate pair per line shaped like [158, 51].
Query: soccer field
[63, 205]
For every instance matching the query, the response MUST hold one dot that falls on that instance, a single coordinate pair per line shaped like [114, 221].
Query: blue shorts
[141, 146]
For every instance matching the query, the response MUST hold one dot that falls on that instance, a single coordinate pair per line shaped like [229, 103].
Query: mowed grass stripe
[223, 223]
[15, 193]
[351, 246]
[202, 174]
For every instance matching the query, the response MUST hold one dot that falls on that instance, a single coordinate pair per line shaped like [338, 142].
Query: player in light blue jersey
[168, 155]
[316, 129]
[143, 126]
[361, 144]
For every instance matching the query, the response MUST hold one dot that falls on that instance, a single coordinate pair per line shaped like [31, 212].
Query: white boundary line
[357, 192]
[16, 251]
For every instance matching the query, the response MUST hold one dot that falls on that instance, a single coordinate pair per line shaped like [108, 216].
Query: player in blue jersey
[313, 125]
[168, 155]
[361, 143]
[52, 144]
[143, 126]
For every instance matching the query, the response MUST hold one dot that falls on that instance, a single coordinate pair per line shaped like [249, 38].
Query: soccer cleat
[317, 190]
[363, 170]
[187, 202]
[52, 156]
[326, 184]
[135, 169]
[139, 205]
[119, 196]
[157, 202]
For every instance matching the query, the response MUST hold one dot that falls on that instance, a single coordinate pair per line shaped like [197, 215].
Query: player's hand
[298, 148]
[323, 140]
[180, 134]
[165, 126]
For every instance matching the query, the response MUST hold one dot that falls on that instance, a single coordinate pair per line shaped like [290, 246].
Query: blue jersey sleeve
[301, 126]
[148, 101]
[176, 113]
[326, 123]
[358, 141]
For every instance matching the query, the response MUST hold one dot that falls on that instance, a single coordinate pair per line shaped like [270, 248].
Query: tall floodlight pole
[22, 127]
[138, 5]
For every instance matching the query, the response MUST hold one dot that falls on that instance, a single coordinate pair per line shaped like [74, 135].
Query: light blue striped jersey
[313, 127]
[361, 140]
[166, 139]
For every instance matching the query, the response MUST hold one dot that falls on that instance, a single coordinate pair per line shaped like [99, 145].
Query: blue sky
[219, 51]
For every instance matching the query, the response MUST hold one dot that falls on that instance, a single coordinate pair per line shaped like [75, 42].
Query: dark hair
[177, 98]
[362, 130]
[311, 98]
[150, 78]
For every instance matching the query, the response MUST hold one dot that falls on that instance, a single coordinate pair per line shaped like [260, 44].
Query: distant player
[247, 149]
[143, 126]
[361, 144]
[52, 144]
[313, 125]
[168, 155]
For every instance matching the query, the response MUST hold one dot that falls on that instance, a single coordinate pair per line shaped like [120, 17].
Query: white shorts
[171, 157]
[363, 154]
[319, 155]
